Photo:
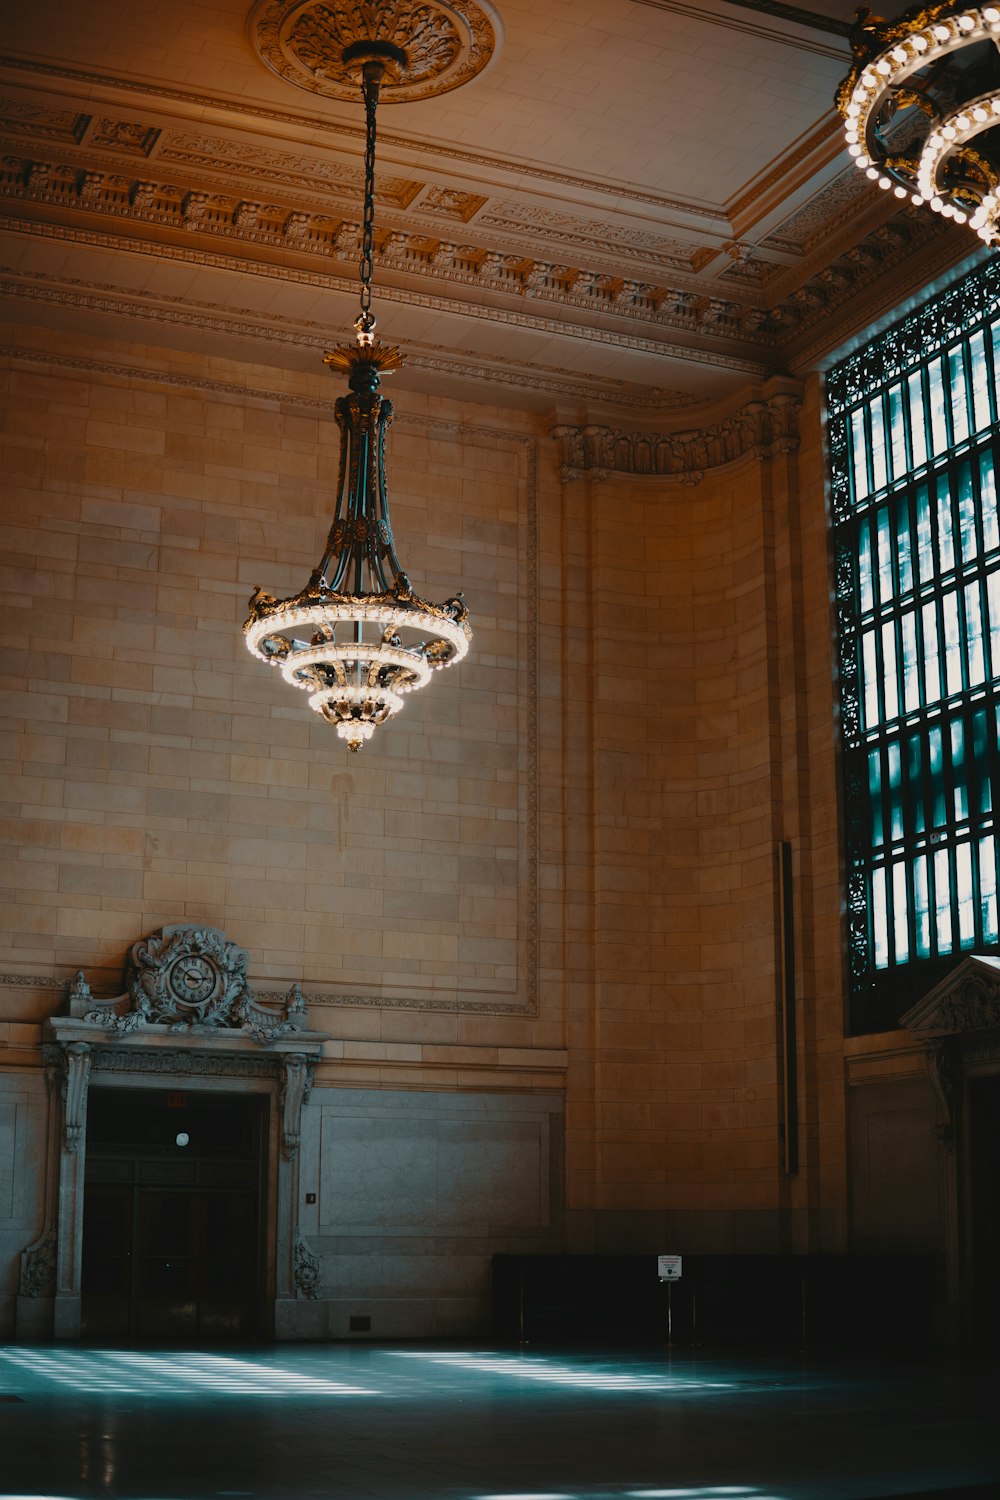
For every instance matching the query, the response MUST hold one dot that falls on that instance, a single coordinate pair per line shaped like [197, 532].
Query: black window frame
[921, 773]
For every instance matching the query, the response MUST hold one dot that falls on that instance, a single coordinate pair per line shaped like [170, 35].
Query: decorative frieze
[21, 117]
[131, 137]
[758, 430]
[727, 323]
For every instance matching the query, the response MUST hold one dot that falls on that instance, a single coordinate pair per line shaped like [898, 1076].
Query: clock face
[192, 980]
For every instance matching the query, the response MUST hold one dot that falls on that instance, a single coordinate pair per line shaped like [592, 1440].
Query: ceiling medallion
[921, 109]
[447, 43]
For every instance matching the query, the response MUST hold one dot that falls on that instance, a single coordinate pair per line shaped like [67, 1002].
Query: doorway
[172, 1221]
[984, 1181]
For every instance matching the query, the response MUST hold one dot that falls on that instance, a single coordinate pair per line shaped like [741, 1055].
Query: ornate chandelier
[921, 107]
[357, 638]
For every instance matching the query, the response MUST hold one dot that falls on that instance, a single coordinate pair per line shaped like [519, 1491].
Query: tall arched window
[915, 458]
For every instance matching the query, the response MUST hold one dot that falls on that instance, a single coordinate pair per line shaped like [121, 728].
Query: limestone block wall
[156, 773]
[705, 687]
[23, 1131]
[553, 876]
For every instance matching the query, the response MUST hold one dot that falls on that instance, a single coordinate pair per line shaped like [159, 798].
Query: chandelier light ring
[389, 702]
[953, 132]
[427, 619]
[353, 654]
[901, 72]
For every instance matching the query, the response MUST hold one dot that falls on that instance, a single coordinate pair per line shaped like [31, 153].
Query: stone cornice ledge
[759, 429]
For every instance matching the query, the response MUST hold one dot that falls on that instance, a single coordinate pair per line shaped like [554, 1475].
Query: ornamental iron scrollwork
[957, 312]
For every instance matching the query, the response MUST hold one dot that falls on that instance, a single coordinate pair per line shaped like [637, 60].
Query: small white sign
[668, 1267]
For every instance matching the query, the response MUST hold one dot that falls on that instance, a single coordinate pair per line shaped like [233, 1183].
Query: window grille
[915, 460]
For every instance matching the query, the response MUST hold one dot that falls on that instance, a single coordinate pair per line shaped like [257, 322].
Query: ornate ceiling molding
[447, 42]
[21, 117]
[759, 430]
[228, 215]
[730, 321]
[566, 328]
[241, 111]
[796, 234]
[766, 33]
[899, 259]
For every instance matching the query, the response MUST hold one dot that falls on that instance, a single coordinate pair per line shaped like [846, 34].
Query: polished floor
[371, 1422]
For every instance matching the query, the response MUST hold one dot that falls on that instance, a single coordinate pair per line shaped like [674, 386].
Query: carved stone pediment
[188, 979]
[187, 1018]
[968, 999]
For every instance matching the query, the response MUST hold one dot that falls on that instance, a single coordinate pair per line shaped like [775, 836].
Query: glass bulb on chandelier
[921, 110]
[357, 638]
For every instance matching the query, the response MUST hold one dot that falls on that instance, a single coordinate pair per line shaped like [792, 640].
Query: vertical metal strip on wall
[789, 1053]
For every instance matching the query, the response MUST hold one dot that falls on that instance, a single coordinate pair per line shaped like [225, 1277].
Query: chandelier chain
[370, 88]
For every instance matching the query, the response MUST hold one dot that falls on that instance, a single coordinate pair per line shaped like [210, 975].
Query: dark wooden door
[172, 1232]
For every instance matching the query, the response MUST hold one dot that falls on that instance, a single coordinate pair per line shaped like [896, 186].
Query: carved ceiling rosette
[447, 42]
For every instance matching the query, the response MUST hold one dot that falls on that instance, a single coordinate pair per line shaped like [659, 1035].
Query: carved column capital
[759, 430]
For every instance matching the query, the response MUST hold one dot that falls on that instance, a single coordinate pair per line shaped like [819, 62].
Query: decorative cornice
[801, 229]
[318, 178]
[838, 290]
[492, 167]
[553, 289]
[758, 430]
[479, 310]
[881, 290]
[194, 1061]
[522, 219]
[282, 226]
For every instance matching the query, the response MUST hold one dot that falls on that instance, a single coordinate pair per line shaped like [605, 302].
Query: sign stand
[668, 1269]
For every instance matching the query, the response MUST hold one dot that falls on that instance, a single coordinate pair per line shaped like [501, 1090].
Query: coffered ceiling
[634, 204]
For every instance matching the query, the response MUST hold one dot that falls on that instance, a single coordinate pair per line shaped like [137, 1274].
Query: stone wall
[708, 705]
[553, 877]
